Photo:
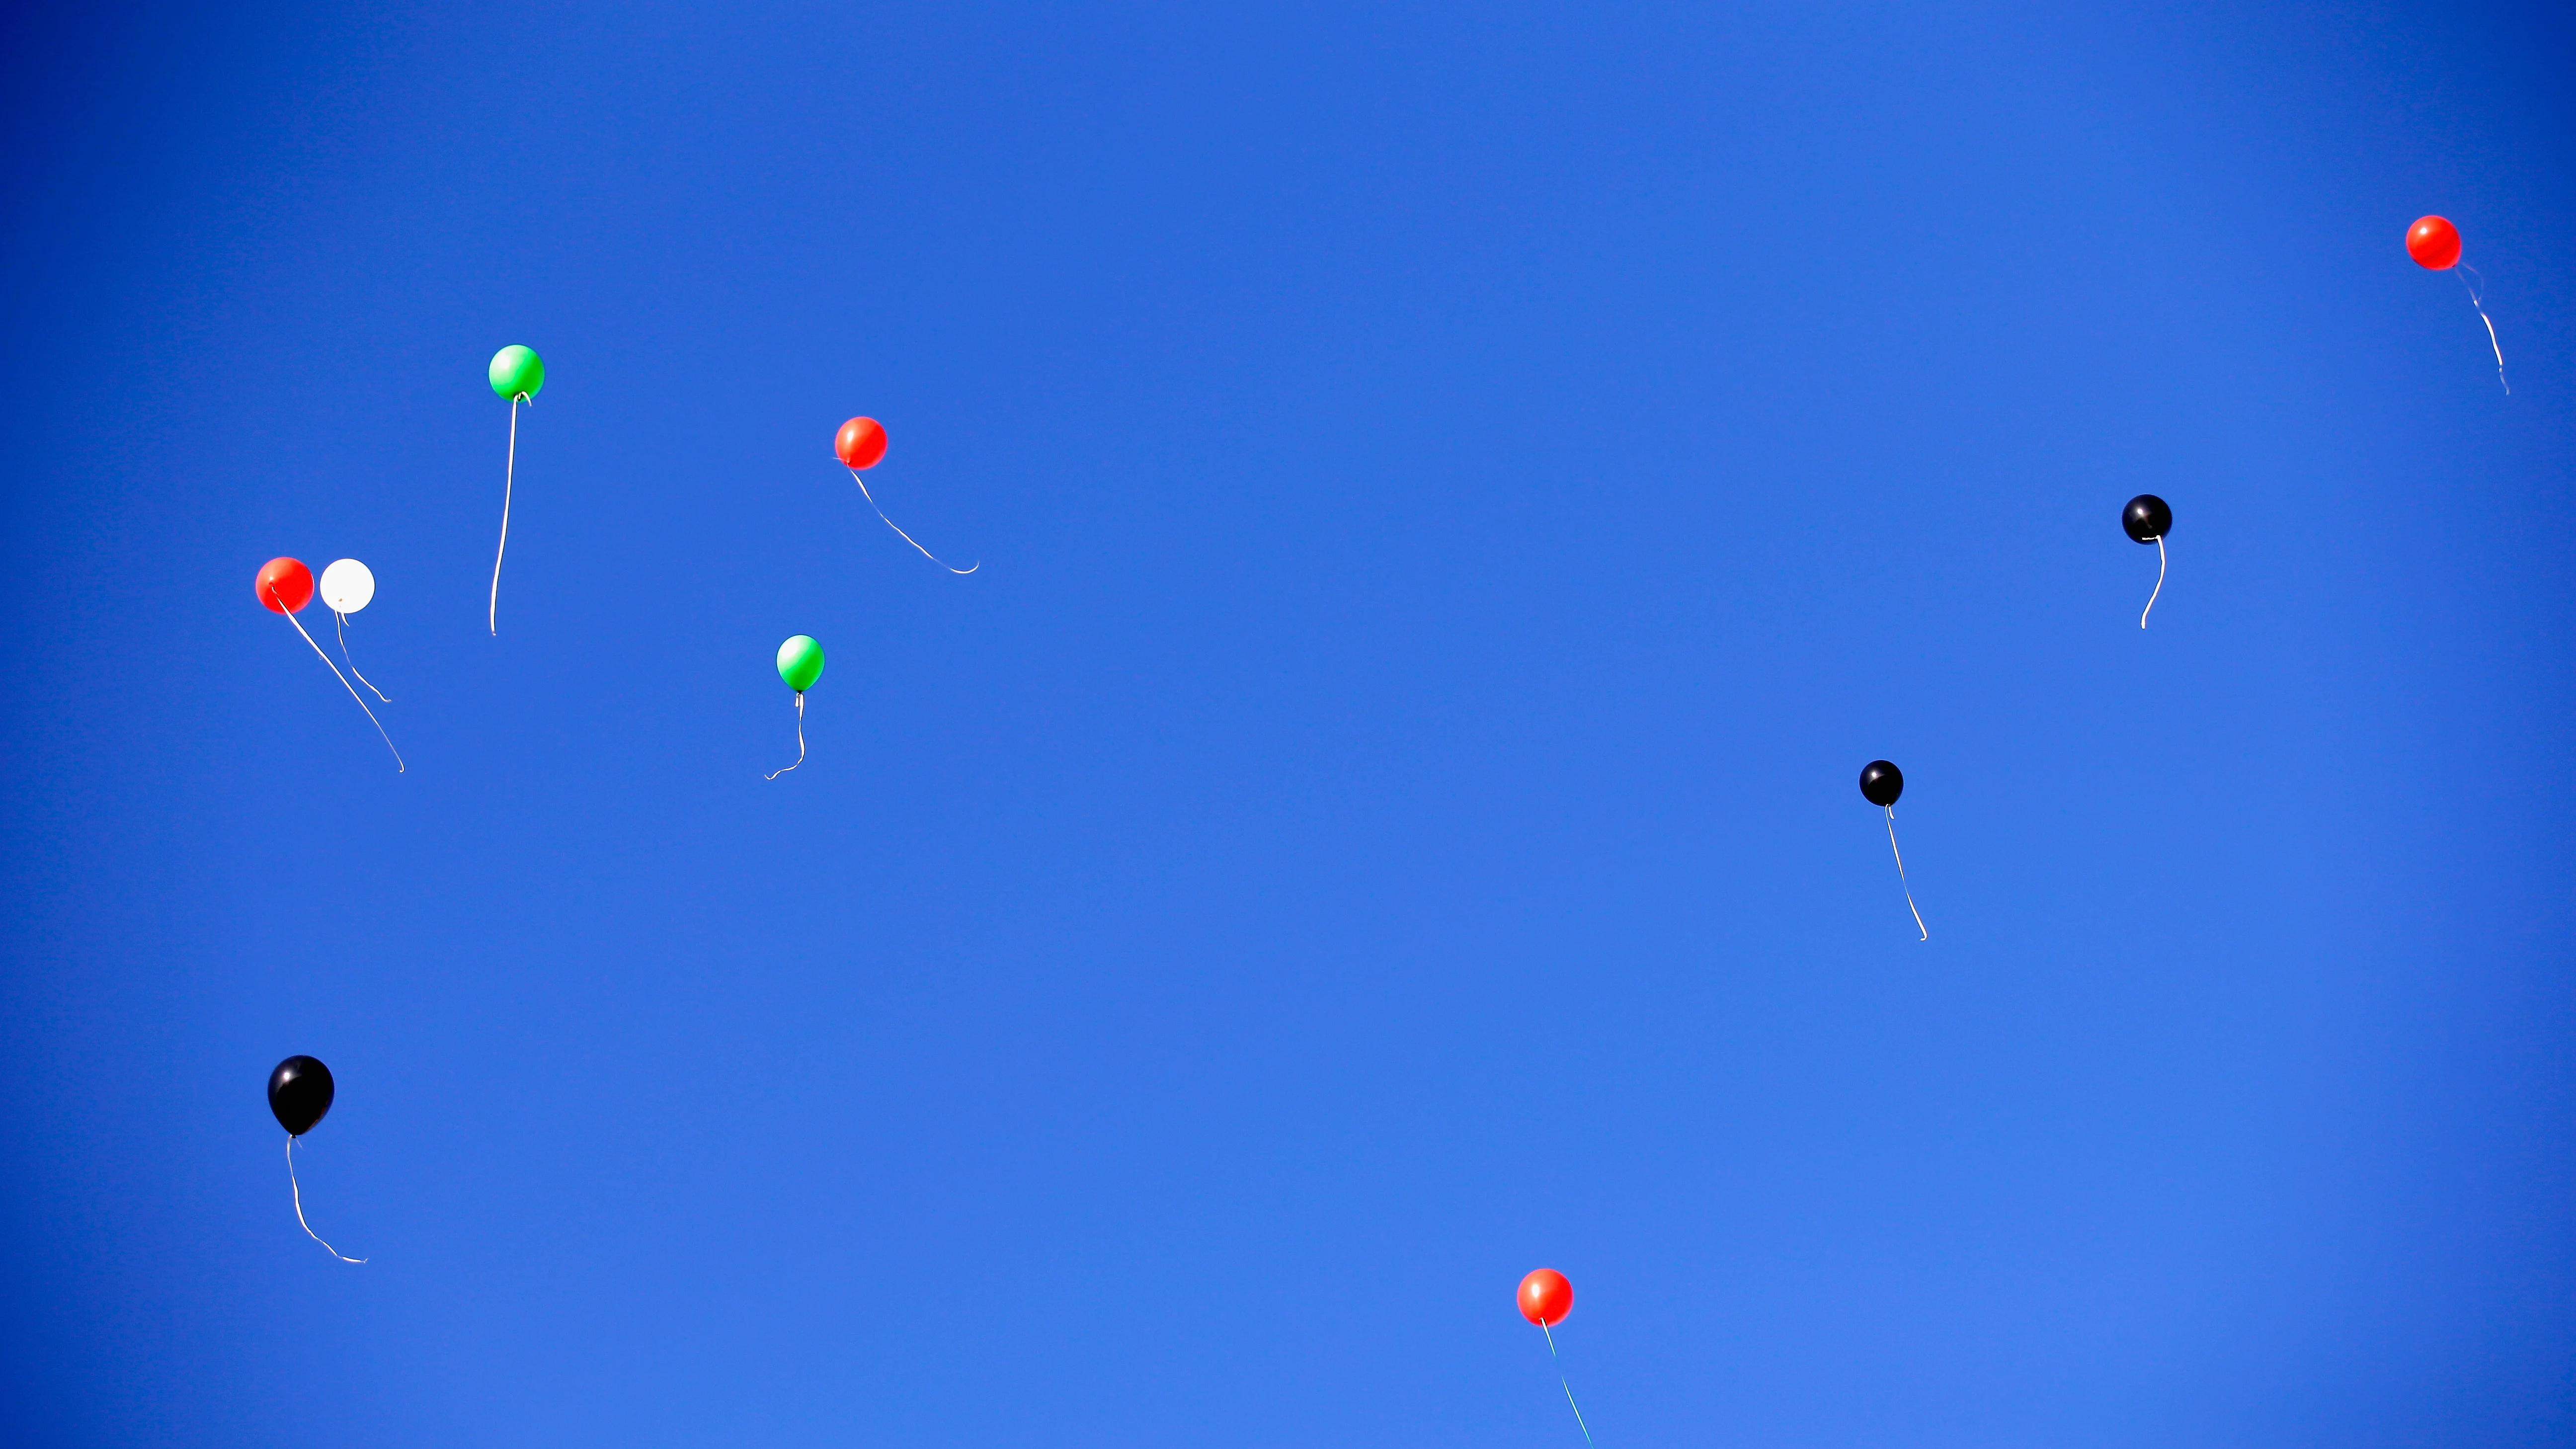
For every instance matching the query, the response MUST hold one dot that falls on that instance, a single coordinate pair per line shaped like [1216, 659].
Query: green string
[1569, 1388]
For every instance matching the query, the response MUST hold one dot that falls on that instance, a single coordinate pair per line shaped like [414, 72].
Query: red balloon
[1546, 1297]
[861, 443]
[284, 585]
[2433, 242]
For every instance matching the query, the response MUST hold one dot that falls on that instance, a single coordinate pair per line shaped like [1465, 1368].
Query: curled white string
[340, 627]
[899, 533]
[509, 475]
[1900, 871]
[344, 684]
[298, 1189]
[2478, 302]
[2160, 582]
[1568, 1387]
[800, 738]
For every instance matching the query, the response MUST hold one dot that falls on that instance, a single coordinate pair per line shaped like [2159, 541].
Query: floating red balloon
[1546, 1297]
[2434, 243]
[861, 443]
[285, 585]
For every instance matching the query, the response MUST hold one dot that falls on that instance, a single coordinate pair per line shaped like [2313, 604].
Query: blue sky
[1461, 491]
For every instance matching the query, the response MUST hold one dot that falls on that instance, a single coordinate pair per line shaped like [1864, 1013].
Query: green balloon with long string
[517, 373]
[800, 663]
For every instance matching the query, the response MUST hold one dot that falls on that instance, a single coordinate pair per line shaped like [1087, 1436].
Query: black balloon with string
[1880, 783]
[299, 1095]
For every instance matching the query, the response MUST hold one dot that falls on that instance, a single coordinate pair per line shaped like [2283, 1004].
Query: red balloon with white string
[285, 586]
[1545, 1298]
[860, 445]
[2434, 243]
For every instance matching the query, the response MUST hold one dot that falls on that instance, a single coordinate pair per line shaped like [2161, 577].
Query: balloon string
[344, 684]
[899, 533]
[340, 626]
[509, 475]
[1568, 1387]
[2160, 585]
[1900, 872]
[298, 1189]
[800, 738]
[2479, 303]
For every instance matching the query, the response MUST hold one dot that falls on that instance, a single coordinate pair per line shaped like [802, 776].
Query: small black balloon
[299, 1092]
[2146, 519]
[1880, 783]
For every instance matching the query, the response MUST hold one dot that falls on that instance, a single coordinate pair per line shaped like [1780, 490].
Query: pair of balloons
[299, 1095]
[860, 444]
[285, 586]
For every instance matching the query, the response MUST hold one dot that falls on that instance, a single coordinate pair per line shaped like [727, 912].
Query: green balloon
[800, 662]
[516, 372]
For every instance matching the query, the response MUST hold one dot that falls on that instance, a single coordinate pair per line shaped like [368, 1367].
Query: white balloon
[347, 586]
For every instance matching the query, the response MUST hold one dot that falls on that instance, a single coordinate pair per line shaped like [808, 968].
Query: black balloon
[2146, 519]
[1880, 784]
[299, 1092]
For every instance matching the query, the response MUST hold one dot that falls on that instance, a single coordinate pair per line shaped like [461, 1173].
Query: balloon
[299, 1092]
[1545, 1296]
[517, 372]
[284, 585]
[861, 443]
[800, 662]
[2434, 243]
[347, 586]
[2146, 519]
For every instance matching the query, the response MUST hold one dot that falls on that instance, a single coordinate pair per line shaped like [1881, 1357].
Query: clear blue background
[1461, 492]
